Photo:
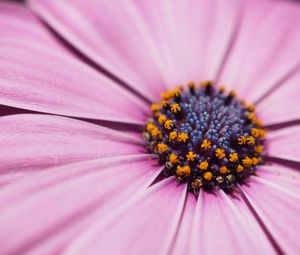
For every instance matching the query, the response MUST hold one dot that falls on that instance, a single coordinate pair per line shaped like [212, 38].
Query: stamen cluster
[205, 137]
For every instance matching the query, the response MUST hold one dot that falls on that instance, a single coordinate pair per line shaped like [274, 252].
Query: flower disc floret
[205, 137]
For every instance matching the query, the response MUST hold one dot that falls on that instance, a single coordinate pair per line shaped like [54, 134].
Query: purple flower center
[205, 137]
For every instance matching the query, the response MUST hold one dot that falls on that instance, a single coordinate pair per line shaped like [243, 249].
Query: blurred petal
[222, 225]
[13, 27]
[147, 224]
[179, 29]
[7, 178]
[281, 175]
[282, 105]
[181, 243]
[41, 213]
[266, 50]
[279, 209]
[35, 142]
[39, 79]
[166, 37]
[112, 35]
[283, 143]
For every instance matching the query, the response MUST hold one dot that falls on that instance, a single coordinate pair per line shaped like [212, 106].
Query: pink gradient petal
[281, 175]
[282, 105]
[249, 225]
[223, 225]
[169, 41]
[183, 237]
[39, 79]
[34, 142]
[279, 209]
[147, 225]
[283, 143]
[179, 29]
[266, 49]
[41, 213]
[13, 27]
[112, 35]
[7, 178]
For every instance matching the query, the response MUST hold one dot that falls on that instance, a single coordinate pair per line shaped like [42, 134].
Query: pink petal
[35, 142]
[13, 27]
[281, 175]
[166, 40]
[183, 237]
[224, 225]
[283, 143]
[266, 50]
[282, 105]
[39, 79]
[179, 29]
[7, 178]
[279, 210]
[42, 212]
[111, 35]
[146, 225]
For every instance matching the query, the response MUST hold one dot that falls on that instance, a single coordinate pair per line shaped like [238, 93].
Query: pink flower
[76, 80]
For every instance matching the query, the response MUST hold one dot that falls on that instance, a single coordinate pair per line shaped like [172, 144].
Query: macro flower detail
[219, 137]
[112, 144]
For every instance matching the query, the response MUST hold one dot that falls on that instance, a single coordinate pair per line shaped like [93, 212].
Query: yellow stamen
[164, 103]
[243, 102]
[220, 153]
[166, 95]
[206, 83]
[242, 140]
[183, 171]
[251, 107]
[223, 170]
[203, 165]
[239, 168]
[233, 157]
[258, 122]
[182, 137]
[206, 144]
[156, 132]
[156, 114]
[175, 108]
[222, 89]
[255, 132]
[262, 132]
[173, 158]
[250, 140]
[162, 119]
[208, 176]
[197, 183]
[176, 93]
[232, 93]
[258, 132]
[247, 161]
[259, 149]
[172, 136]
[191, 85]
[251, 116]
[162, 147]
[155, 107]
[150, 126]
[169, 124]
[255, 161]
[259, 159]
[190, 156]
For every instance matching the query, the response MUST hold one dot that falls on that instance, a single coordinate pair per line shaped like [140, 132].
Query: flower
[77, 80]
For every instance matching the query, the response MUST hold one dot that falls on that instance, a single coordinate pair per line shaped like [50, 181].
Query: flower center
[205, 137]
